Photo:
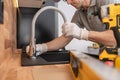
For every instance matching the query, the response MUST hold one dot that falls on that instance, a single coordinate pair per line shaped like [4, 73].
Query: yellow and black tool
[111, 18]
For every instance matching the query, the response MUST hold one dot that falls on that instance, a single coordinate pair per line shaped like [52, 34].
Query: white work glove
[71, 29]
[40, 48]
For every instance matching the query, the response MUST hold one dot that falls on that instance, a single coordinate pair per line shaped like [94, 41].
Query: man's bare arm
[58, 43]
[106, 37]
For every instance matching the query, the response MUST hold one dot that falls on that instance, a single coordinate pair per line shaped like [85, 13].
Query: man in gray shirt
[87, 16]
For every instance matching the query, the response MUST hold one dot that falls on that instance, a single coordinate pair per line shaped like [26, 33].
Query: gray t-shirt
[90, 18]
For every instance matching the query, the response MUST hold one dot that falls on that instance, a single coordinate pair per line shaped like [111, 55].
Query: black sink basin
[48, 58]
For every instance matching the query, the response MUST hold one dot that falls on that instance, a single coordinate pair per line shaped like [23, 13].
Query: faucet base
[48, 58]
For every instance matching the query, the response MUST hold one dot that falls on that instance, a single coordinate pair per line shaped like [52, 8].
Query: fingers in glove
[41, 48]
[66, 29]
[38, 53]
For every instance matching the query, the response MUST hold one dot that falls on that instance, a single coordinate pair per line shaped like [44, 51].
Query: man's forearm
[106, 37]
[58, 43]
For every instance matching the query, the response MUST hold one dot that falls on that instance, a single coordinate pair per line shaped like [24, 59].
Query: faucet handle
[32, 47]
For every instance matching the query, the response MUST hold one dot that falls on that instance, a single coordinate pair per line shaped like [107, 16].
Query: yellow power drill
[111, 18]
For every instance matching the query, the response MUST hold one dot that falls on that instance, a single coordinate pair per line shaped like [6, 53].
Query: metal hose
[32, 40]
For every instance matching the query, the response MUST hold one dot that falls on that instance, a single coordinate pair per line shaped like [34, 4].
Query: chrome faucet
[32, 39]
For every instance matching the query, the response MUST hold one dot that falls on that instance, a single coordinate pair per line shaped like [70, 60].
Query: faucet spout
[32, 39]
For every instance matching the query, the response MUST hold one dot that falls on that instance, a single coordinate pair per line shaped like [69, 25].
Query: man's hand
[71, 29]
[40, 48]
